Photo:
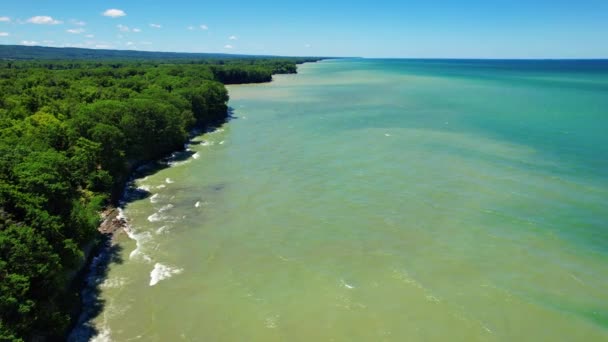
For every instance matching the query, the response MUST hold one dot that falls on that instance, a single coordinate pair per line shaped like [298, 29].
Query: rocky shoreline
[93, 273]
[106, 247]
[112, 223]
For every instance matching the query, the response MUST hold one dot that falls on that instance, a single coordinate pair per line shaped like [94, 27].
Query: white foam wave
[121, 214]
[219, 130]
[162, 186]
[113, 283]
[179, 163]
[103, 336]
[154, 198]
[144, 188]
[196, 155]
[169, 181]
[162, 272]
[348, 286]
[165, 208]
[139, 239]
[162, 230]
[222, 142]
[158, 216]
[197, 204]
[206, 143]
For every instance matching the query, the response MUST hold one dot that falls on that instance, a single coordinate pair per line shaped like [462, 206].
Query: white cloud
[145, 43]
[75, 31]
[129, 43]
[90, 36]
[103, 46]
[5, 19]
[233, 38]
[78, 22]
[114, 13]
[191, 28]
[29, 42]
[4, 34]
[43, 20]
[156, 25]
[228, 46]
[48, 41]
[136, 30]
[204, 27]
[307, 45]
[123, 28]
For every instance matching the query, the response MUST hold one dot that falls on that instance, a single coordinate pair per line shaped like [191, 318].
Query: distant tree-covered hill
[20, 52]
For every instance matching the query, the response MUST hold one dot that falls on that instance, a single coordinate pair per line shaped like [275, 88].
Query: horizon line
[319, 56]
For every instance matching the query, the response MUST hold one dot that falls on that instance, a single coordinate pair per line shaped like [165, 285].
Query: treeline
[257, 72]
[70, 132]
[37, 53]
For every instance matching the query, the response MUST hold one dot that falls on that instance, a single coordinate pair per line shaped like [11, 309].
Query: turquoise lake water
[380, 200]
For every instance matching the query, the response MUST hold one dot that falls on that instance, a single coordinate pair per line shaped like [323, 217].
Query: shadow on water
[231, 114]
[92, 302]
[110, 253]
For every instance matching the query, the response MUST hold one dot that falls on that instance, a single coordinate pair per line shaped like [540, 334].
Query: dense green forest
[71, 131]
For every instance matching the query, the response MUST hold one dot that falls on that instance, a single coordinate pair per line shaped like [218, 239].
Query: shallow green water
[371, 200]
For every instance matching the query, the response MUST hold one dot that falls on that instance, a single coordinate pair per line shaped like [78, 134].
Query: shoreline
[114, 224]
[104, 248]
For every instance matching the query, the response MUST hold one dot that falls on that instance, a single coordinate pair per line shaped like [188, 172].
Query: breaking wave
[162, 272]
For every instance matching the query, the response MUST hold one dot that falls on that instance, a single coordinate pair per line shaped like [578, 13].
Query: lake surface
[380, 200]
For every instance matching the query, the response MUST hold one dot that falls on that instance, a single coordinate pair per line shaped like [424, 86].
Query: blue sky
[416, 28]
